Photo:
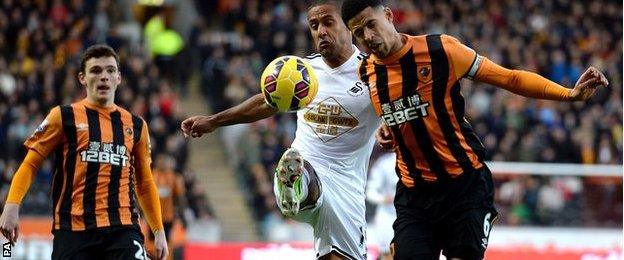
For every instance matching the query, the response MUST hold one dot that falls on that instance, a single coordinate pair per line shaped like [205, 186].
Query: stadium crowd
[40, 43]
[232, 40]
[555, 38]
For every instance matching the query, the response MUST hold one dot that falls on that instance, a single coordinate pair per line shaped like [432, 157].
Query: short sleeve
[48, 135]
[464, 60]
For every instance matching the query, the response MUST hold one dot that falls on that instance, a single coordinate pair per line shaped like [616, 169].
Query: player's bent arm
[251, 110]
[520, 82]
[24, 176]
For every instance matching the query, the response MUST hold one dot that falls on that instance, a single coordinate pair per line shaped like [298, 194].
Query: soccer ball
[288, 83]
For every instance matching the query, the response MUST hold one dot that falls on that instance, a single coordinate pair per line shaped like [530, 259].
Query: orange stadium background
[557, 166]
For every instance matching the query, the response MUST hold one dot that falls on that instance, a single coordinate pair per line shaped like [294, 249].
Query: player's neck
[343, 55]
[398, 43]
[100, 103]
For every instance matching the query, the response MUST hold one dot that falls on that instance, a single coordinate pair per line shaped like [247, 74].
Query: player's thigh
[340, 227]
[415, 234]
[466, 231]
[74, 246]
[467, 238]
[126, 244]
[415, 240]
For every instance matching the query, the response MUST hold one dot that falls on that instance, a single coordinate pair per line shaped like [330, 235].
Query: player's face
[101, 78]
[373, 28]
[329, 33]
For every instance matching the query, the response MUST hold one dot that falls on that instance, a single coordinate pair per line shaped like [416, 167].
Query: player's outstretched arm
[532, 85]
[253, 109]
[20, 184]
[465, 62]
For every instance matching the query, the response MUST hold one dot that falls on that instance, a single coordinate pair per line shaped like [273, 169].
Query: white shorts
[337, 218]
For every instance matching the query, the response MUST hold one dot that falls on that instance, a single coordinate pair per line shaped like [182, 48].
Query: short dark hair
[97, 51]
[316, 3]
[351, 8]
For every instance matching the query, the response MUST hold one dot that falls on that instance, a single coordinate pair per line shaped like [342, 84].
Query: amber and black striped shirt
[416, 92]
[96, 150]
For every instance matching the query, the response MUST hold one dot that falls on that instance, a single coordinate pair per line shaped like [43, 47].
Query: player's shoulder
[55, 111]
[313, 56]
[449, 40]
[136, 119]
[432, 38]
[124, 111]
[315, 59]
[362, 55]
[54, 116]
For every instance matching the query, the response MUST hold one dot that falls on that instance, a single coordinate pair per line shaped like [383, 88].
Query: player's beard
[329, 53]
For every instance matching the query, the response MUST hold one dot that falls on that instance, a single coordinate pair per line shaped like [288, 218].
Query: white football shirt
[335, 131]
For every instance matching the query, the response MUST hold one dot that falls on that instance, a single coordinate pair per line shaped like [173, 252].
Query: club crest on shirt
[424, 73]
[356, 90]
[128, 131]
[42, 127]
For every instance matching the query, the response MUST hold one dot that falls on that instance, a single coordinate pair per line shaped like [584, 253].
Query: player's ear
[389, 14]
[118, 77]
[81, 78]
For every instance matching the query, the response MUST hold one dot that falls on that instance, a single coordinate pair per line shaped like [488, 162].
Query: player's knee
[464, 253]
[401, 250]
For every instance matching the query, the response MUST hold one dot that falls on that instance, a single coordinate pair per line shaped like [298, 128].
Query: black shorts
[454, 217]
[105, 243]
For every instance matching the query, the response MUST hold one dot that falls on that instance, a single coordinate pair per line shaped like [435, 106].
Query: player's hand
[384, 137]
[587, 84]
[389, 200]
[198, 125]
[8, 222]
[160, 244]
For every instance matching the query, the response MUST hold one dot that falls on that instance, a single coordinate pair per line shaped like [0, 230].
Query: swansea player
[321, 179]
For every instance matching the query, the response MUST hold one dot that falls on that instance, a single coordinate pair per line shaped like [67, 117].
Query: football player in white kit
[321, 179]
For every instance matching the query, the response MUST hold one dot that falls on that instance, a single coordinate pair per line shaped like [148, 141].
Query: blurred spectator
[171, 192]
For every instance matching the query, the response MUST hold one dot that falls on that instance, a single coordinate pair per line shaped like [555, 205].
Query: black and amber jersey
[97, 150]
[416, 92]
